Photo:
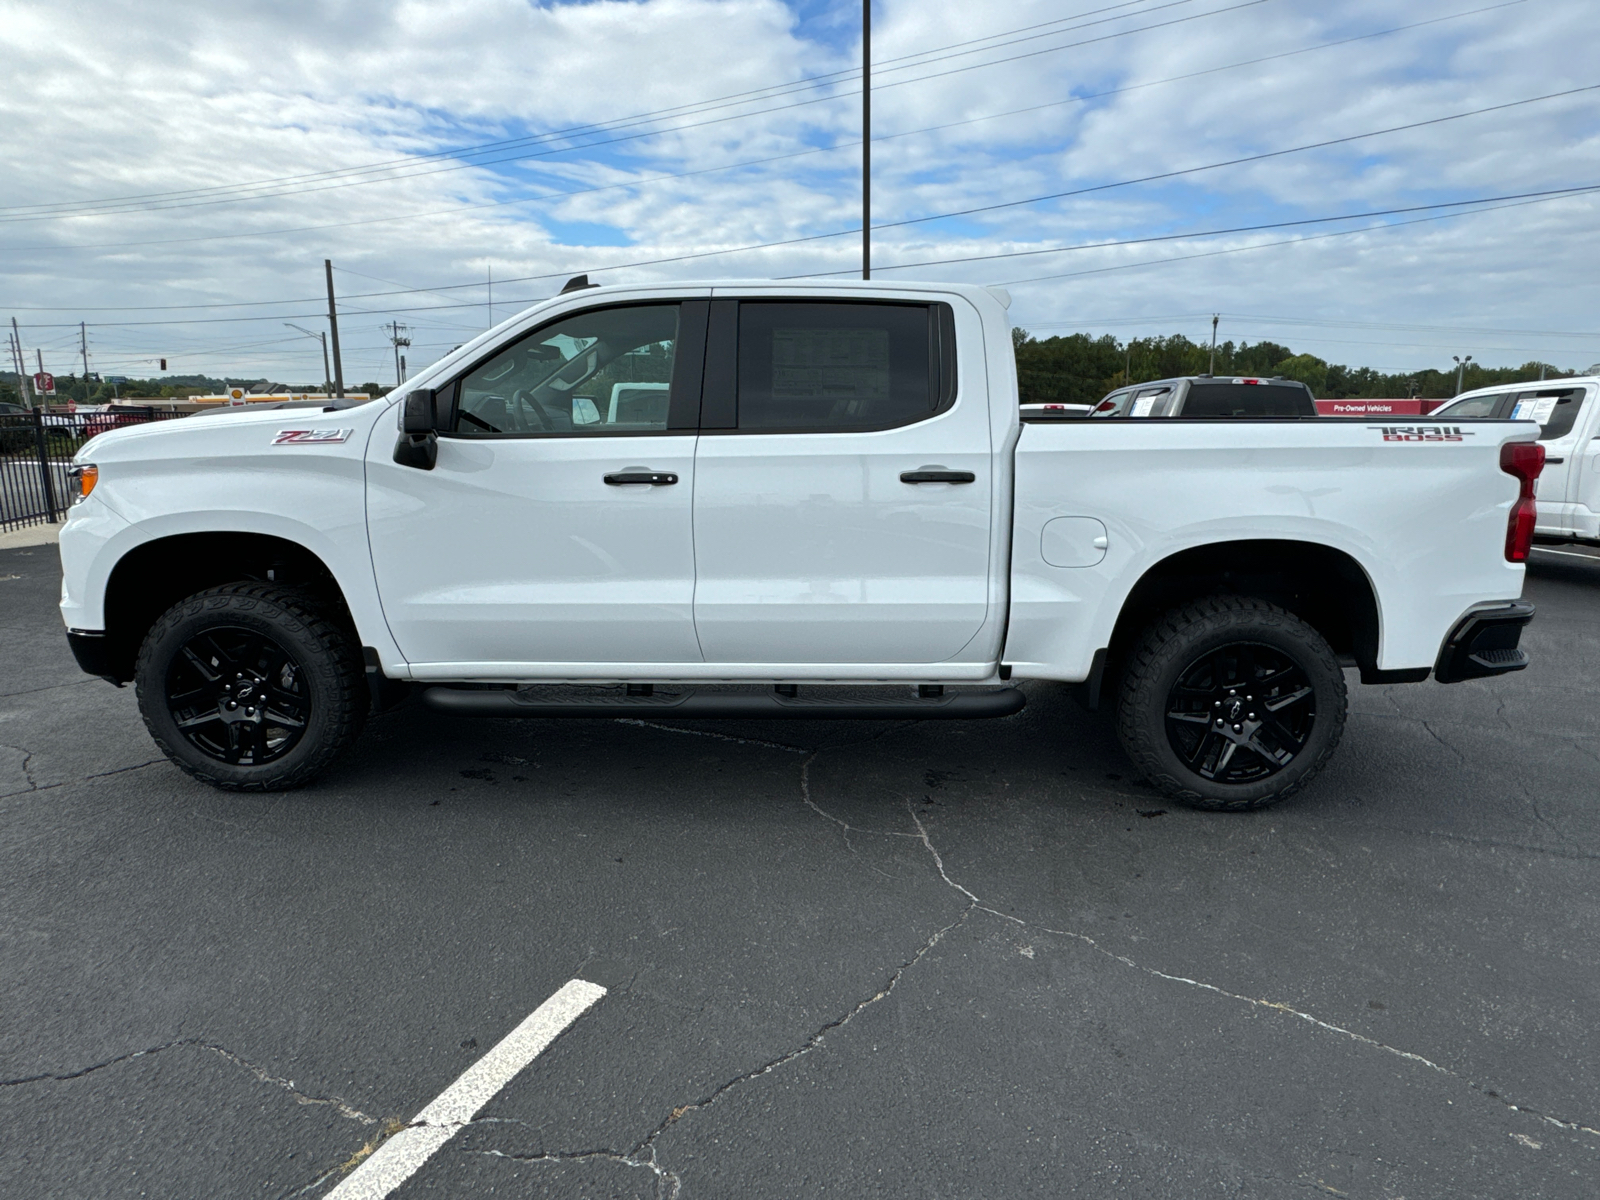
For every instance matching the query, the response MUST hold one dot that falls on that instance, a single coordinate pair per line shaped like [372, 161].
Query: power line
[1235, 162]
[229, 199]
[1338, 233]
[681, 109]
[1477, 204]
[1172, 237]
[629, 184]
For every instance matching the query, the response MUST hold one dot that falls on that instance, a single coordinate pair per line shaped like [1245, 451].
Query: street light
[1461, 370]
[323, 338]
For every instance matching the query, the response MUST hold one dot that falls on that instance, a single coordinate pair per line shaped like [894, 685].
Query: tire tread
[346, 713]
[1147, 659]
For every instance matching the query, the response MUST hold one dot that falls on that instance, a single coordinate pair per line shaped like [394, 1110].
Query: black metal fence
[36, 452]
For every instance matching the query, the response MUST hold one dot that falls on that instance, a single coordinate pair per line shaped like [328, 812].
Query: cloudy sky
[174, 174]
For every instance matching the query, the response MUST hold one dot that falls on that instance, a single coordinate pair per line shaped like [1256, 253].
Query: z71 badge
[1421, 433]
[297, 437]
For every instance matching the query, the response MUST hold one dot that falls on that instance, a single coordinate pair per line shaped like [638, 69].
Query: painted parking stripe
[398, 1158]
[1568, 553]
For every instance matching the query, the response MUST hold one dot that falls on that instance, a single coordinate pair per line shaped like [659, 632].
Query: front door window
[604, 371]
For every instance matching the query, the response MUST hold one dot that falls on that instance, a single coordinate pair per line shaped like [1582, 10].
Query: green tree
[1305, 368]
[1079, 368]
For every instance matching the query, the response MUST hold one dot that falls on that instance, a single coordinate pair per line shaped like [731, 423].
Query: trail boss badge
[1421, 433]
[298, 437]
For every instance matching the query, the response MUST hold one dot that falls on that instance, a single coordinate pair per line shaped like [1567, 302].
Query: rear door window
[1556, 410]
[1150, 402]
[1227, 399]
[824, 367]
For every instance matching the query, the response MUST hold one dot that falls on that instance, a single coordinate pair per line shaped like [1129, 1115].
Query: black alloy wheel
[1240, 713]
[1230, 703]
[252, 686]
[237, 696]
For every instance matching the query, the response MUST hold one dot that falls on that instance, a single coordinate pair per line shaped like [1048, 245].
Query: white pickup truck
[1567, 412]
[784, 500]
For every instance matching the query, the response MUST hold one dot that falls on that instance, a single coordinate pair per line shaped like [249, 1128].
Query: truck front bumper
[1484, 642]
[93, 653]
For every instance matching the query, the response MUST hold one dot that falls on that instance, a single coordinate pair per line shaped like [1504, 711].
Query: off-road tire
[1178, 640]
[329, 667]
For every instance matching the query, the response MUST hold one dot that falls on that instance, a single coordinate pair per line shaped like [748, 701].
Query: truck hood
[228, 432]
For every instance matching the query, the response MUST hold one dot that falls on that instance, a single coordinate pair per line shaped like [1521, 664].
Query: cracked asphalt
[896, 960]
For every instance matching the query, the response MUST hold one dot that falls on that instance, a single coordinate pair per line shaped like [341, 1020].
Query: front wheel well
[152, 577]
[1324, 587]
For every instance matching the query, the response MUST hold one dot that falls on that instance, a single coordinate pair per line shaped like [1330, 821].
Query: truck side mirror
[419, 442]
[419, 415]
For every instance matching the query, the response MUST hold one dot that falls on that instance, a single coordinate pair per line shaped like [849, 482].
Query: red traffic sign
[44, 383]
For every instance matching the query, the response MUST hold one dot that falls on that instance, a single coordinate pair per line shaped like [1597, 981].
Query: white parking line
[398, 1158]
[1568, 553]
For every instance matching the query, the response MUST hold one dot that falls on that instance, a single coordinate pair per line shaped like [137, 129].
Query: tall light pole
[1461, 370]
[866, 139]
[1212, 369]
[327, 381]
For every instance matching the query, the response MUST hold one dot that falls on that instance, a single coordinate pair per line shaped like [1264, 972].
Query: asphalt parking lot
[897, 960]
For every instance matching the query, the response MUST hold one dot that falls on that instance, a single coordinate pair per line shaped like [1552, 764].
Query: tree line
[169, 387]
[1080, 369]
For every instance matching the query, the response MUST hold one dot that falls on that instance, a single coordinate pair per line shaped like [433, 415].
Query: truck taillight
[1524, 460]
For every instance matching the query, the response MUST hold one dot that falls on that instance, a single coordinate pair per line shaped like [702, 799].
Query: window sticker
[1143, 405]
[830, 362]
[1533, 409]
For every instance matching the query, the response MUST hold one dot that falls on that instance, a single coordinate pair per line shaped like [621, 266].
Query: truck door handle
[937, 475]
[657, 478]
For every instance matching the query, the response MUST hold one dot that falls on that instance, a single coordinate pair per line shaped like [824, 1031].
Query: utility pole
[23, 391]
[1461, 370]
[333, 327]
[83, 344]
[327, 380]
[1212, 369]
[866, 139]
[397, 335]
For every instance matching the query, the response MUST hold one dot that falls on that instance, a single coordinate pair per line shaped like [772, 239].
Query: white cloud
[112, 99]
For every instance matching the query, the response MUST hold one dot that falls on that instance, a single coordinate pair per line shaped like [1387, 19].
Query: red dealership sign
[1376, 408]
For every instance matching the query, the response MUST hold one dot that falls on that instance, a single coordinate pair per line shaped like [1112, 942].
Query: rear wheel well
[1324, 587]
[151, 578]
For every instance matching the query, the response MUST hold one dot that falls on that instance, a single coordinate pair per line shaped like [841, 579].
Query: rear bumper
[93, 653]
[1484, 642]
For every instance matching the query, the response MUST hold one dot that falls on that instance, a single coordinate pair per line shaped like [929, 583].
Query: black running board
[960, 706]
